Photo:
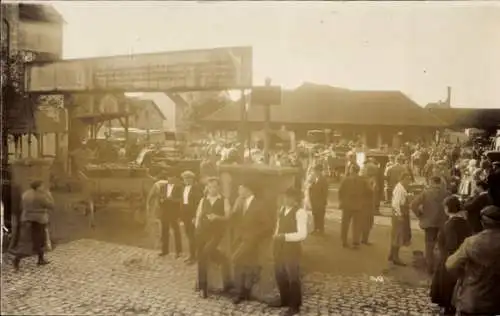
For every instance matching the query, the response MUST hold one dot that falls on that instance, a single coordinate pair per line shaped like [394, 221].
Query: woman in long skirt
[36, 203]
[455, 230]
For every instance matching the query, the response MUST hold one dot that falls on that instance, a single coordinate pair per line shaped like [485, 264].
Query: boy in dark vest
[291, 230]
[210, 227]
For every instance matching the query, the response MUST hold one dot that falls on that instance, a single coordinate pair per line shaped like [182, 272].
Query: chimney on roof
[448, 97]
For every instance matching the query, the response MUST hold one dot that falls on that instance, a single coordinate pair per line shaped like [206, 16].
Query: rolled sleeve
[301, 233]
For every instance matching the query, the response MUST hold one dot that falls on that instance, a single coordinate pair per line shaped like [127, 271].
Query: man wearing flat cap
[191, 196]
[291, 230]
[252, 224]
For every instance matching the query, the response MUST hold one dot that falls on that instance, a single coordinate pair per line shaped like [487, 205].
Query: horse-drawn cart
[111, 186]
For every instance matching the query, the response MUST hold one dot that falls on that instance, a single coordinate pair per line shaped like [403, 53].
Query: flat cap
[188, 174]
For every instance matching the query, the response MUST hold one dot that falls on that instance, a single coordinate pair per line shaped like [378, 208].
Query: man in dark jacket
[477, 262]
[164, 199]
[429, 209]
[252, 225]
[354, 198]
[318, 196]
[476, 204]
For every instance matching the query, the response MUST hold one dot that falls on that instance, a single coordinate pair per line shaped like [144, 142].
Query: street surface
[88, 277]
[113, 270]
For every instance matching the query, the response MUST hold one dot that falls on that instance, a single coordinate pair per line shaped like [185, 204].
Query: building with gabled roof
[376, 116]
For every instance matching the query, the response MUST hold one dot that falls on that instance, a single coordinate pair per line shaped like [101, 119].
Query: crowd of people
[457, 204]
[208, 217]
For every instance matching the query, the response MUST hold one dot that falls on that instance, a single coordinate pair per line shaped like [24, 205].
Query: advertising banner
[208, 69]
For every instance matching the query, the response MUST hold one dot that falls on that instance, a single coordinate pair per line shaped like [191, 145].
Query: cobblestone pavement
[88, 277]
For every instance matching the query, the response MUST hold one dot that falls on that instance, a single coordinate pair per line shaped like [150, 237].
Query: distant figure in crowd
[468, 184]
[291, 230]
[393, 174]
[451, 236]
[210, 227]
[482, 173]
[429, 209]
[191, 196]
[318, 197]
[454, 155]
[164, 199]
[475, 204]
[208, 167]
[354, 197]
[351, 162]
[252, 224]
[81, 157]
[36, 203]
[400, 230]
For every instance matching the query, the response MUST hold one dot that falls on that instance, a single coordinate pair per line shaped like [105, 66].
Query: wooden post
[29, 145]
[267, 128]
[243, 124]
[126, 129]
[40, 144]
[56, 144]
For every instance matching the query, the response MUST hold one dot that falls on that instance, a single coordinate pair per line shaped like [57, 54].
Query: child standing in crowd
[451, 236]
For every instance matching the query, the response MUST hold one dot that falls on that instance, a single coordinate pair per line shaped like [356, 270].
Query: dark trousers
[245, 276]
[187, 219]
[208, 252]
[388, 193]
[170, 223]
[366, 225]
[37, 239]
[287, 274]
[431, 235]
[318, 212]
[348, 217]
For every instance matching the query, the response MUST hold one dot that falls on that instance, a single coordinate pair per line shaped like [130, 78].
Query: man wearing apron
[291, 230]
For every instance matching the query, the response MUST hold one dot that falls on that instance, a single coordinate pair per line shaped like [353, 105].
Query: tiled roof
[468, 117]
[39, 12]
[320, 104]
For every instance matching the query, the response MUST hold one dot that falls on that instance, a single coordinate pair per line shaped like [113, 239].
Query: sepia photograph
[251, 158]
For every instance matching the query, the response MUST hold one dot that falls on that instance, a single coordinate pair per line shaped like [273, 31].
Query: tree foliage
[17, 107]
[203, 105]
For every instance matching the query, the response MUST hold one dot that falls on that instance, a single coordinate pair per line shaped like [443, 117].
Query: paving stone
[88, 277]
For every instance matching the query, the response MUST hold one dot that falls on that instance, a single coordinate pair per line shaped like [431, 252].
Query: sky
[417, 48]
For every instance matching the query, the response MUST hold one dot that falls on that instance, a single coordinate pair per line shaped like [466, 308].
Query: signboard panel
[210, 69]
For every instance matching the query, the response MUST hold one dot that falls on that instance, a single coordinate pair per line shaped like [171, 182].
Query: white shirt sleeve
[198, 213]
[398, 199]
[301, 233]
[227, 208]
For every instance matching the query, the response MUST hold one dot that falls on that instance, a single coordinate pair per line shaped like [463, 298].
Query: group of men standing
[247, 223]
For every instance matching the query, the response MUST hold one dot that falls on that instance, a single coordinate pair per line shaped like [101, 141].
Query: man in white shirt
[401, 233]
[291, 230]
